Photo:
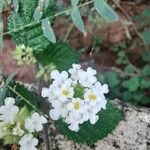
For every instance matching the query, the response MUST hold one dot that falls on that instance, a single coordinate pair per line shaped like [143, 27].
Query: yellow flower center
[92, 97]
[76, 105]
[65, 92]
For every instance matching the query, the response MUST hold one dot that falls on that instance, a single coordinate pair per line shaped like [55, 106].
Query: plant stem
[130, 20]
[37, 22]
[68, 32]
[24, 99]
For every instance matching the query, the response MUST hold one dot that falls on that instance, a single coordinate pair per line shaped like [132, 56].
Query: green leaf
[37, 14]
[105, 11]
[2, 95]
[1, 6]
[77, 20]
[16, 5]
[145, 84]
[46, 4]
[146, 70]
[146, 12]
[127, 96]
[30, 36]
[30, 96]
[1, 32]
[114, 92]
[132, 84]
[88, 133]
[112, 78]
[101, 78]
[121, 54]
[60, 55]
[145, 101]
[138, 96]
[130, 68]
[10, 77]
[74, 3]
[146, 36]
[48, 31]
[146, 55]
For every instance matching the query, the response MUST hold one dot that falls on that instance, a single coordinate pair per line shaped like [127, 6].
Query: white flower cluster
[14, 125]
[76, 96]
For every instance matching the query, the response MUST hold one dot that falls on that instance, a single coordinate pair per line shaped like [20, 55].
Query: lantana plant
[19, 126]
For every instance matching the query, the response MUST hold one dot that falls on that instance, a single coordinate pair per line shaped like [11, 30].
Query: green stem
[68, 32]
[24, 99]
[37, 22]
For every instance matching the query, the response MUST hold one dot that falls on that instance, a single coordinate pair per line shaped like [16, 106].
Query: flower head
[15, 125]
[76, 96]
[76, 105]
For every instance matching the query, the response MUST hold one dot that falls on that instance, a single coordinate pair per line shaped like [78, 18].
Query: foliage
[25, 93]
[144, 26]
[134, 79]
[30, 36]
[89, 134]
[131, 83]
[101, 6]
[122, 57]
[61, 55]
[10, 88]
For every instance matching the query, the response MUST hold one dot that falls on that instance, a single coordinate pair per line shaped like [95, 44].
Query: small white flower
[64, 92]
[74, 127]
[93, 119]
[91, 97]
[35, 122]
[59, 110]
[59, 78]
[76, 105]
[101, 89]
[8, 111]
[55, 114]
[48, 93]
[87, 78]
[28, 142]
[75, 71]
[92, 113]
[45, 92]
[29, 125]
[17, 130]
[94, 97]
